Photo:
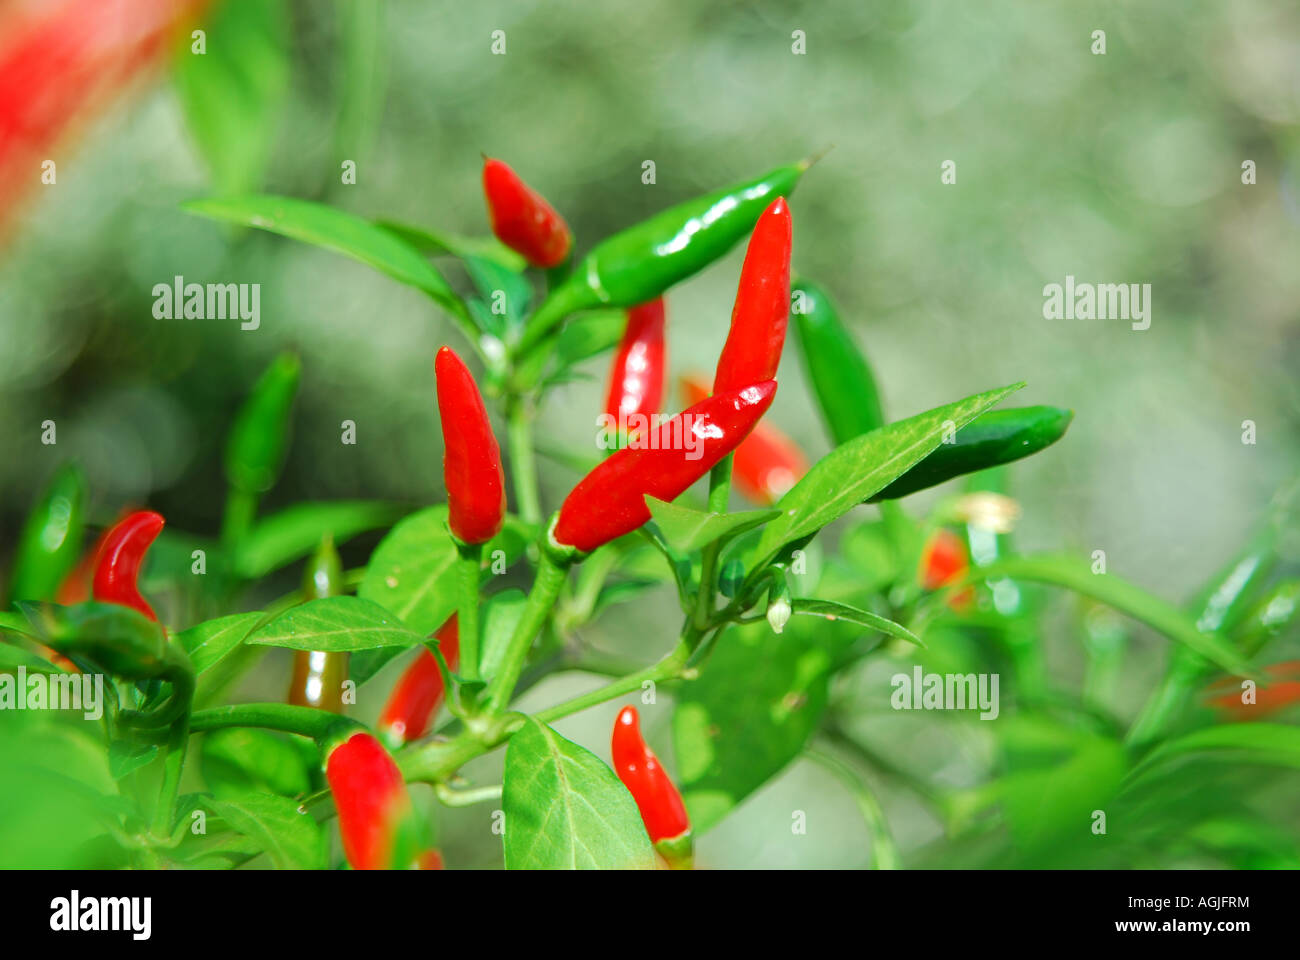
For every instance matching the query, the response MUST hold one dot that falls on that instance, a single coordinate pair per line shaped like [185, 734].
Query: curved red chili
[471, 463]
[417, 696]
[610, 500]
[762, 309]
[376, 818]
[636, 380]
[76, 586]
[660, 804]
[766, 464]
[522, 219]
[121, 558]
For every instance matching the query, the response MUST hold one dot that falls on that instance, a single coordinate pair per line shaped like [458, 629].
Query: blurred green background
[1122, 168]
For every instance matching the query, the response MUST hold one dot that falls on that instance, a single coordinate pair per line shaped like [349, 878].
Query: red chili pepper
[610, 501]
[418, 694]
[471, 462]
[944, 560]
[522, 219]
[376, 818]
[660, 804]
[758, 319]
[76, 586]
[636, 381]
[123, 554]
[1277, 695]
[766, 464]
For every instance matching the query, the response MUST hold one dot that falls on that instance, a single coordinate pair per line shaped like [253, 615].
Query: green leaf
[294, 532]
[233, 95]
[565, 809]
[851, 473]
[344, 233]
[12, 657]
[124, 757]
[442, 242]
[292, 839]
[1076, 574]
[335, 624]
[758, 699]
[239, 761]
[831, 610]
[589, 334]
[1268, 744]
[490, 279]
[209, 642]
[500, 617]
[687, 530]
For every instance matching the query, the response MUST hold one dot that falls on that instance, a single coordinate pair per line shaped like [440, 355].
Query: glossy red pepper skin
[766, 464]
[762, 309]
[610, 501]
[376, 818]
[944, 559]
[660, 804]
[471, 463]
[522, 219]
[636, 380]
[417, 696]
[122, 556]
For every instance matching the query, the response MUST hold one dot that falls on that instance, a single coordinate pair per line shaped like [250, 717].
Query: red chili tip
[762, 309]
[475, 480]
[417, 696]
[656, 798]
[118, 571]
[371, 799]
[522, 219]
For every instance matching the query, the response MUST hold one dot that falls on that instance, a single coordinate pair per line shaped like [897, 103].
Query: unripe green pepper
[638, 264]
[260, 436]
[51, 539]
[998, 436]
[318, 675]
[836, 368]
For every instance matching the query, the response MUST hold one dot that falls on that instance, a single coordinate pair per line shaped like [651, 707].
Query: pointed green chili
[51, 539]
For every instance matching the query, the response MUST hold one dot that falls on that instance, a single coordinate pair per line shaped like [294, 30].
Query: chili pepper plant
[819, 606]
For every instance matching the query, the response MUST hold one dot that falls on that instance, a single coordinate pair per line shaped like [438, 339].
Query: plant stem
[464, 798]
[546, 588]
[884, 851]
[667, 668]
[305, 721]
[173, 765]
[523, 465]
[719, 497]
[471, 558]
[241, 509]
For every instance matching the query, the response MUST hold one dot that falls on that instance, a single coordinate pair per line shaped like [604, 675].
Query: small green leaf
[687, 530]
[209, 642]
[344, 233]
[335, 624]
[442, 242]
[233, 94]
[239, 761]
[1076, 574]
[1268, 744]
[831, 610]
[589, 334]
[124, 757]
[501, 615]
[851, 473]
[564, 809]
[294, 532]
[287, 833]
[498, 285]
[757, 700]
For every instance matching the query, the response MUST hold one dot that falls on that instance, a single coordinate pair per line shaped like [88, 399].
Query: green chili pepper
[836, 368]
[1274, 613]
[318, 675]
[51, 539]
[258, 440]
[640, 263]
[999, 436]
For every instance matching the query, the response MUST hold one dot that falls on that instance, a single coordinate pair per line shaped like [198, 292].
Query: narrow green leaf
[295, 531]
[280, 826]
[831, 610]
[564, 809]
[1268, 744]
[441, 242]
[334, 624]
[687, 530]
[344, 233]
[233, 94]
[208, 643]
[239, 761]
[501, 615]
[1076, 574]
[851, 473]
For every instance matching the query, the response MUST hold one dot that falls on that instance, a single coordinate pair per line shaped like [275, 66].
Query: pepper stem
[471, 559]
[719, 498]
[546, 588]
[523, 465]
